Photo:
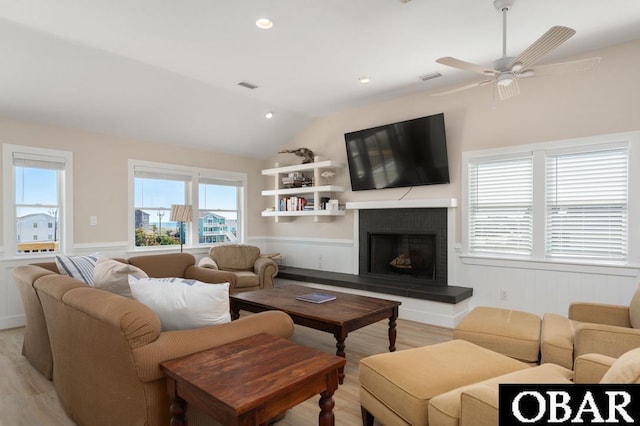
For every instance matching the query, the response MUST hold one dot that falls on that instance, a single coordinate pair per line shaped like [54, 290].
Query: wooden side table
[252, 380]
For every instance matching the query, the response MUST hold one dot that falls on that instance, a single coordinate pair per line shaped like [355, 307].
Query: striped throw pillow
[78, 267]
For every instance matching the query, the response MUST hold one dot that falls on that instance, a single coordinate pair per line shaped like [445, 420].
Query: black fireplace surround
[404, 245]
[396, 232]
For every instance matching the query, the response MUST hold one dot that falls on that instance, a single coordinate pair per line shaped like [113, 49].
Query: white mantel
[403, 204]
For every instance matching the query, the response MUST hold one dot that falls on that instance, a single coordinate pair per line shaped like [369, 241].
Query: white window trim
[633, 142]
[8, 188]
[192, 197]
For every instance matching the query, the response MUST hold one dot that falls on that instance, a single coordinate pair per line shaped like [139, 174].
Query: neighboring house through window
[37, 199]
[217, 198]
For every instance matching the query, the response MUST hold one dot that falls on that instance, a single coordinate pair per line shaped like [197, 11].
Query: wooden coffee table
[251, 381]
[347, 313]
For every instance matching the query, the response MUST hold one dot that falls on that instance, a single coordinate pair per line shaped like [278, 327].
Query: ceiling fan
[507, 70]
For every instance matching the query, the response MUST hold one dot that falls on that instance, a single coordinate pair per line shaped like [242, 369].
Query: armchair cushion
[625, 369]
[235, 257]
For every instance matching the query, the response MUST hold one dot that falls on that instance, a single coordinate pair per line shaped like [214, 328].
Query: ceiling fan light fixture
[505, 79]
[264, 23]
[516, 67]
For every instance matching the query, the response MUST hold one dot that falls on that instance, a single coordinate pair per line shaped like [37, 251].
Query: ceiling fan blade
[465, 87]
[466, 66]
[543, 46]
[562, 67]
[506, 92]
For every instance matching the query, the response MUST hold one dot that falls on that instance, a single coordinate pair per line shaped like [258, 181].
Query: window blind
[586, 211]
[500, 205]
[22, 159]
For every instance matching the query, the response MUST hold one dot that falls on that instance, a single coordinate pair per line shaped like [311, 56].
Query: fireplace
[429, 223]
[404, 245]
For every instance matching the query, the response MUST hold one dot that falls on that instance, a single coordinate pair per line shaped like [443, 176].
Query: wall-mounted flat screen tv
[407, 153]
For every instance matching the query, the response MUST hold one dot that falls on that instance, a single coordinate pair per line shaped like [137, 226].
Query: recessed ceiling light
[364, 79]
[268, 115]
[264, 23]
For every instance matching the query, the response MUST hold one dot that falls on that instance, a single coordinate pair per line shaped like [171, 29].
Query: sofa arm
[207, 262]
[600, 313]
[174, 344]
[212, 276]
[266, 269]
[590, 368]
[604, 339]
[479, 406]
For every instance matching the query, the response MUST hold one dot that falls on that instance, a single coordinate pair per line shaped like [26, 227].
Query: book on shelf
[316, 297]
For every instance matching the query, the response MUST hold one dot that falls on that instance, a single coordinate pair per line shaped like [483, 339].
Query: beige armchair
[254, 271]
[590, 328]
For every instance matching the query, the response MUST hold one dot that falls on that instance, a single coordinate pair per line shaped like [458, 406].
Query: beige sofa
[106, 348]
[36, 347]
[254, 271]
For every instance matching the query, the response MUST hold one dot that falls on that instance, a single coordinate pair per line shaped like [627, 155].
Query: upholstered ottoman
[396, 387]
[512, 333]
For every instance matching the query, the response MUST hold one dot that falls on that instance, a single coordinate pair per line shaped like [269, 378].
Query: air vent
[433, 75]
[247, 85]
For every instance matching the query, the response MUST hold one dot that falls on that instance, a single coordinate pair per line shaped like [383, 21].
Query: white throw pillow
[181, 303]
[78, 267]
[113, 276]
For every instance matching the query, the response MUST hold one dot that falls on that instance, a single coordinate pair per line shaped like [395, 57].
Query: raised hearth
[444, 294]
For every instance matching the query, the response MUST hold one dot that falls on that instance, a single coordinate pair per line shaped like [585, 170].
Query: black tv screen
[407, 153]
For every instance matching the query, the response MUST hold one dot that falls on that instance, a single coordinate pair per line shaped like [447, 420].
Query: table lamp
[181, 213]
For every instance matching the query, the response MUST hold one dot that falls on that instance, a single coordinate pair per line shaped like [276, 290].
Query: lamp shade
[181, 213]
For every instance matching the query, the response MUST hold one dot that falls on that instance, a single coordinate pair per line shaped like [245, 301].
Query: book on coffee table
[316, 297]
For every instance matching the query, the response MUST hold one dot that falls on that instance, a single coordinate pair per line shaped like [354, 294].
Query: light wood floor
[26, 398]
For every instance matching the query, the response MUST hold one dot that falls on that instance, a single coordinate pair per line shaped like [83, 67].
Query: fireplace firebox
[405, 245]
[402, 255]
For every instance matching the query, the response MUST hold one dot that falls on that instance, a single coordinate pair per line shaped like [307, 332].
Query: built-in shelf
[316, 191]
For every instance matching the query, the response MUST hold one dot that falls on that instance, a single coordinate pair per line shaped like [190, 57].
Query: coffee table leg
[235, 311]
[393, 332]
[326, 417]
[340, 338]
[178, 410]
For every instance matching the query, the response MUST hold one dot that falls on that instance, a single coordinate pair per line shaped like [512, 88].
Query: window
[37, 188]
[587, 204]
[219, 208]
[500, 206]
[155, 191]
[217, 198]
[555, 201]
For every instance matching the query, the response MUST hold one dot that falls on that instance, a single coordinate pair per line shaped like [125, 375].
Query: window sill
[551, 265]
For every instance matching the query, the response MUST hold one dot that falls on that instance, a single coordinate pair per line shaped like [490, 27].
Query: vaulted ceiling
[168, 71]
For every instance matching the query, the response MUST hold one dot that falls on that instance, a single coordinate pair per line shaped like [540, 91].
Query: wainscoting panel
[322, 254]
[541, 287]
